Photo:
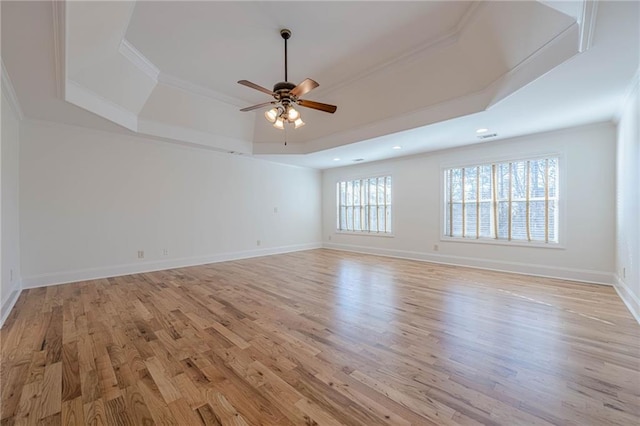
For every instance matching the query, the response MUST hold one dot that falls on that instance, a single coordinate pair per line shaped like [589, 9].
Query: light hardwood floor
[321, 337]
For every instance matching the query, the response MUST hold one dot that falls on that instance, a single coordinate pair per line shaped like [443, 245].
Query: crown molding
[194, 137]
[468, 16]
[91, 101]
[59, 44]
[587, 22]
[141, 62]
[446, 39]
[534, 65]
[9, 92]
[150, 69]
[632, 89]
[196, 89]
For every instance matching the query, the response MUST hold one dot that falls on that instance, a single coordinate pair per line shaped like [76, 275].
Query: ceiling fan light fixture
[279, 123]
[271, 115]
[298, 123]
[287, 95]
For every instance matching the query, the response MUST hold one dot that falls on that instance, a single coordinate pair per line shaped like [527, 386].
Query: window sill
[533, 244]
[366, 234]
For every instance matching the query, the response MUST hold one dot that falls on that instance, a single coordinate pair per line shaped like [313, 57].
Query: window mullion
[494, 195]
[509, 212]
[477, 202]
[463, 205]
[528, 196]
[384, 199]
[546, 200]
[451, 202]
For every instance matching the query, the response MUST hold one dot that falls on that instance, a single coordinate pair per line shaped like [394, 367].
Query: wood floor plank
[73, 412]
[321, 337]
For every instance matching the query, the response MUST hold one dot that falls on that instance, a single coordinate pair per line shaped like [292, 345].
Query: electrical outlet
[140, 254]
[258, 242]
[165, 252]
[435, 247]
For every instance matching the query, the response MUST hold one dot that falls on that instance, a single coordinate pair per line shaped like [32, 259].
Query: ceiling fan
[287, 95]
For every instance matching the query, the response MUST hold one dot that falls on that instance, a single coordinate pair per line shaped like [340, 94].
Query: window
[510, 201]
[364, 205]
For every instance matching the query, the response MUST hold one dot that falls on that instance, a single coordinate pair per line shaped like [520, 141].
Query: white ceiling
[421, 75]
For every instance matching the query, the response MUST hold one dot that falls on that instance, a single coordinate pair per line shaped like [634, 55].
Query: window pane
[519, 184]
[356, 217]
[388, 185]
[470, 184]
[349, 218]
[457, 220]
[381, 191]
[553, 234]
[456, 185]
[373, 218]
[485, 220]
[536, 218]
[519, 220]
[503, 181]
[470, 220]
[388, 219]
[553, 173]
[485, 182]
[503, 219]
[381, 221]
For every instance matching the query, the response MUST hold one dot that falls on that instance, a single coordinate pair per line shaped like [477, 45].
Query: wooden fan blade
[304, 87]
[251, 108]
[318, 105]
[255, 86]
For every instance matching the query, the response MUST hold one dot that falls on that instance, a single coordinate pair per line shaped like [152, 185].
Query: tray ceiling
[169, 69]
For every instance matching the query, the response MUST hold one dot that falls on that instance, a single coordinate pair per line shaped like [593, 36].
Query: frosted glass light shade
[279, 123]
[271, 115]
[293, 114]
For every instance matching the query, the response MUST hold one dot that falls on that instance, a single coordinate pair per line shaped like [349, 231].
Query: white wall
[90, 200]
[10, 253]
[587, 234]
[628, 202]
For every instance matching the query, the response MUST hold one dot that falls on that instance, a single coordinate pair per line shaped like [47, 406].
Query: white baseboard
[582, 275]
[631, 300]
[7, 305]
[136, 268]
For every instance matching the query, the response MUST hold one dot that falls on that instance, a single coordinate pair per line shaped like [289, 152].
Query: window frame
[481, 161]
[337, 230]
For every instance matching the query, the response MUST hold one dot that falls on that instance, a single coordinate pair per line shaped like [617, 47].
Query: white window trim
[366, 233]
[562, 221]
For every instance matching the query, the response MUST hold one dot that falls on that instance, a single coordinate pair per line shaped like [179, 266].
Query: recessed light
[482, 130]
[397, 147]
[336, 159]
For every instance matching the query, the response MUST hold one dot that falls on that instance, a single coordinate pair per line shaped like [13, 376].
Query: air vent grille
[487, 136]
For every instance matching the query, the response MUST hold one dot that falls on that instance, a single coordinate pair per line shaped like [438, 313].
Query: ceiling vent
[357, 160]
[487, 136]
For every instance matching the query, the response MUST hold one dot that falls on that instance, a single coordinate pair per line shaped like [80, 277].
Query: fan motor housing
[283, 85]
